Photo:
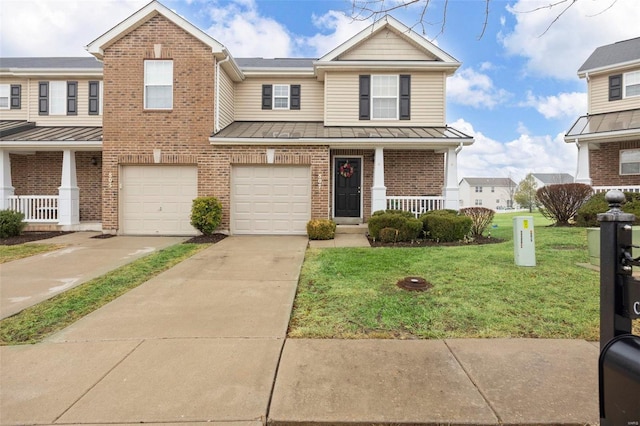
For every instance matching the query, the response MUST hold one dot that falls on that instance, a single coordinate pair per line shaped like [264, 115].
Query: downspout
[459, 148]
[217, 106]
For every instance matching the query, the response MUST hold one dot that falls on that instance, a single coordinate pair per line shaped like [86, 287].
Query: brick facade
[604, 165]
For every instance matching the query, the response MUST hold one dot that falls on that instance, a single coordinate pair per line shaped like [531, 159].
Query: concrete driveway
[28, 281]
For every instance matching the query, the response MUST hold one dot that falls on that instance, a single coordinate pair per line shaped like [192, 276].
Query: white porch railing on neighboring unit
[416, 205]
[36, 208]
[627, 188]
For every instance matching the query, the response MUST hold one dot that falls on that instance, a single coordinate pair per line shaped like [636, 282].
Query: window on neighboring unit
[478, 202]
[5, 93]
[493, 189]
[158, 84]
[384, 97]
[478, 189]
[58, 97]
[632, 84]
[280, 96]
[630, 161]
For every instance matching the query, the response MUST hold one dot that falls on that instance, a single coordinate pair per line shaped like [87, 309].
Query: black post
[615, 239]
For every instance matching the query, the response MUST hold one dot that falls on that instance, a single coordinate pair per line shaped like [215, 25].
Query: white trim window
[478, 189]
[57, 98]
[5, 96]
[158, 84]
[280, 96]
[631, 84]
[630, 161]
[384, 97]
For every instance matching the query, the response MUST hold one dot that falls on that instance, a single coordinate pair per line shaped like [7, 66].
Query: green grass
[37, 322]
[478, 291]
[18, 251]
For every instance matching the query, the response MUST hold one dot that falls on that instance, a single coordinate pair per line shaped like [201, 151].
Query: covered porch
[52, 175]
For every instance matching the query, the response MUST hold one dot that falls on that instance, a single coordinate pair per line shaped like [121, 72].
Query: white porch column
[378, 190]
[68, 192]
[583, 175]
[451, 189]
[6, 188]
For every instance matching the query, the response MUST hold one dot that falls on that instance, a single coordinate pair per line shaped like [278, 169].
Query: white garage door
[270, 199]
[156, 200]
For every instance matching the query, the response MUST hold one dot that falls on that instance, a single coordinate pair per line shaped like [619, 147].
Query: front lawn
[478, 291]
[10, 253]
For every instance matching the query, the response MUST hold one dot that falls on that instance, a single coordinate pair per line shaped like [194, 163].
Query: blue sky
[517, 90]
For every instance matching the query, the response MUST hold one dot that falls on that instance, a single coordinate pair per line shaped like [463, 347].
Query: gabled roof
[553, 178]
[617, 55]
[386, 22]
[488, 181]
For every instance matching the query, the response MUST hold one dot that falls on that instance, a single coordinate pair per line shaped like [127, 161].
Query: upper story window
[630, 161]
[10, 96]
[58, 98]
[385, 97]
[281, 96]
[632, 84]
[5, 94]
[478, 189]
[158, 84]
[95, 97]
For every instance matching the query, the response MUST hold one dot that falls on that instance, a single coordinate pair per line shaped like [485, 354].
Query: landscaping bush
[561, 202]
[446, 225]
[388, 235]
[408, 227]
[587, 215]
[481, 219]
[321, 229]
[400, 212]
[11, 223]
[206, 214]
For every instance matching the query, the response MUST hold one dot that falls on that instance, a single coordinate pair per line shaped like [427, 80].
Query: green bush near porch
[206, 214]
[407, 227]
[11, 223]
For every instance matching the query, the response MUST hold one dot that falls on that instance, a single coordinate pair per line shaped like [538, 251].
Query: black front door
[347, 187]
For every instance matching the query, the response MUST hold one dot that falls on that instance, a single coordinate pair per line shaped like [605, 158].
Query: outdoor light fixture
[94, 161]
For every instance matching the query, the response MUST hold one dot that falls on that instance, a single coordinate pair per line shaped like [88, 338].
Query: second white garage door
[270, 199]
[156, 200]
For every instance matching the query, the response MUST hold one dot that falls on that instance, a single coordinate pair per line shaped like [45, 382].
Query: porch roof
[605, 127]
[26, 135]
[306, 132]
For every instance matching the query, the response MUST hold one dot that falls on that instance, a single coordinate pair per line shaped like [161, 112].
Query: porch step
[42, 227]
[360, 228]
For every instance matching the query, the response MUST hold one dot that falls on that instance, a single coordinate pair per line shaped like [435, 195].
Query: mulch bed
[206, 239]
[432, 243]
[30, 236]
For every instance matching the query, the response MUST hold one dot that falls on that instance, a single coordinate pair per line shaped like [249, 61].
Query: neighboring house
[167, 114]
[544, 179]
[608, 137]
[492, 193]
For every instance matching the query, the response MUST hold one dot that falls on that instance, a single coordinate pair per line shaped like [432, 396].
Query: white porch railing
[416, 205]
[36, 208]
[628, 188]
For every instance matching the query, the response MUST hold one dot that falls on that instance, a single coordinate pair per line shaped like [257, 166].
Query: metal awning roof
[278, 131]
[607, 126]
[26, 135]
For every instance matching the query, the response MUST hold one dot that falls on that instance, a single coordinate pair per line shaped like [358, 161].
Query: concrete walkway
[205, 343]
[31, 280]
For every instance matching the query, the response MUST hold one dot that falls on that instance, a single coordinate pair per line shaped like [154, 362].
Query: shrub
[561, 202]
[481, 218]
[206, 214]
[408, 227]
[400, 212]
[388, 235]
[11, 223]
[321, 229]
[587, 215]
[446, 225]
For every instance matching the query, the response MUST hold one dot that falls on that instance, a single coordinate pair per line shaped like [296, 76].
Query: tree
[362, 10]
[525, 194]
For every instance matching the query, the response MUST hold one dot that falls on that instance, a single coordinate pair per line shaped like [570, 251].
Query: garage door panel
[156, 200]
[270, 199]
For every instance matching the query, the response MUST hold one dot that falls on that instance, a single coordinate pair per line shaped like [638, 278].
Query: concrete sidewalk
[205, 343]
[31, 280]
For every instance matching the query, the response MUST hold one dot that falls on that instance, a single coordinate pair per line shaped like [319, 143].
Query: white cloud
[336, 28]
[57, 28]
[570, 40]
[562, 105]
[528, 153]
[471, 88]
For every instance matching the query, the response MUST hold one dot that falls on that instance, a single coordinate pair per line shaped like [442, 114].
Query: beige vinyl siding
[23, 112]
[248, 97]
[226, 99]
[427, 100]
[599, 96]
[386, 45]
[82, 119]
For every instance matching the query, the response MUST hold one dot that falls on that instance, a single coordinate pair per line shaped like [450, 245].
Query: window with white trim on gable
[630, 161]
[58, 98]
[281, 96]
[385, 97]
[158, 84]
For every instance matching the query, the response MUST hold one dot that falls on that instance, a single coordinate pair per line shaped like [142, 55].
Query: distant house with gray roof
[544, 179]
[492, 193]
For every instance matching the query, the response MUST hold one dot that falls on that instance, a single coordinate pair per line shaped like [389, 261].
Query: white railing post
[69, 193]
[6, 189]
[379, 190]
[415, 204]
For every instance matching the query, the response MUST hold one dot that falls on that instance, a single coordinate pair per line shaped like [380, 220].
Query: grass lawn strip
[39, 321]
[19, 251]
[479, 292]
